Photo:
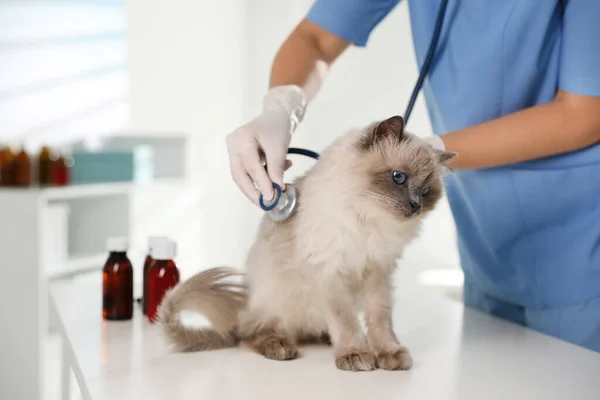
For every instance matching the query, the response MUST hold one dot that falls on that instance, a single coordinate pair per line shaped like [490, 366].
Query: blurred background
[174, 77]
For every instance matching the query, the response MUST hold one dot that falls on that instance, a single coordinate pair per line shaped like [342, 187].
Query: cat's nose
[414, 206]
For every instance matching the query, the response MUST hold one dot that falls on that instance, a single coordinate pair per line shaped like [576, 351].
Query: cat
[308, 277]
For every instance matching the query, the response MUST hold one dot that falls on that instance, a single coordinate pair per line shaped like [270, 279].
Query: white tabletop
[458, 354]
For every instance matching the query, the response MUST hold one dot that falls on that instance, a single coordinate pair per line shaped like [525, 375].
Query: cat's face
[403, 172]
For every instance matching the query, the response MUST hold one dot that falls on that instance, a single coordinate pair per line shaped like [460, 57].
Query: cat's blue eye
[399, 177]
[425, 191]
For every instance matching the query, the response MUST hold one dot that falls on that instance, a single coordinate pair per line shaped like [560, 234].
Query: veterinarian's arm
[328, 29]
[305, 57]
[569, 122]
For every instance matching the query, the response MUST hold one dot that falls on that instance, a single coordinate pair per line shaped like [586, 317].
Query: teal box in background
[123, 165]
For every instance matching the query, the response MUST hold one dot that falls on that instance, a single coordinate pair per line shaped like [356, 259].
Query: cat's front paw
[356, 360]
[395, 359]
[276, 348]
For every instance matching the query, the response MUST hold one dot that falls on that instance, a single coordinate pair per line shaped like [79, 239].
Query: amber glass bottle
[117, 275]
[152, 241]
[22, 169]
[45, 165]
[8, 167]
[2, 168]
[162, 276]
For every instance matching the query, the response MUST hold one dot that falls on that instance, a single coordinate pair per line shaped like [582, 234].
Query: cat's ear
[444, 158]
[391, 127]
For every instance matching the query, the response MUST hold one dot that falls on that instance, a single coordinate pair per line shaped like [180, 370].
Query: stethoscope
[284, 202]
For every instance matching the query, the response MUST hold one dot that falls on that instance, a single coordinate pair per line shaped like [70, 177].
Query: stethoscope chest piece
[283, 205]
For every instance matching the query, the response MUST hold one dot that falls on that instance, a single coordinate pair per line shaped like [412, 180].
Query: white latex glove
[267, 136]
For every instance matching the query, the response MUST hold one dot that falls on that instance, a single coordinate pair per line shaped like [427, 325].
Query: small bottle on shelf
[152, 241]
[2, 167]
[45, 166]
[7, 176]
[22, 169]
[117, 275]
[162, 276]
[60, 171]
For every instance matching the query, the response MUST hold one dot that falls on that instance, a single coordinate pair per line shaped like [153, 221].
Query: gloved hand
[265, 137]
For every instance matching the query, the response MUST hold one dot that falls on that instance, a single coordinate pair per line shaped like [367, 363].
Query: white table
[459, 354]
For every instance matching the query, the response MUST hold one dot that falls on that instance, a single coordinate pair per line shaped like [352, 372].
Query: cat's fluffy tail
[212, 294]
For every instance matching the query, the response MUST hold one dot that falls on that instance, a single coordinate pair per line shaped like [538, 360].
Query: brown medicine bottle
[22, 169]
[162, 276]
[152, 241]
[2, 168]
[45, 165]
[7, 176]
[117, 276]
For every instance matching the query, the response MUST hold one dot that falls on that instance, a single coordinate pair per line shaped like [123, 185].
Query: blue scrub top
[528, 233]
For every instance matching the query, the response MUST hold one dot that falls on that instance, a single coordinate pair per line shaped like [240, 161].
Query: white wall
[202, 67]
[186, 75]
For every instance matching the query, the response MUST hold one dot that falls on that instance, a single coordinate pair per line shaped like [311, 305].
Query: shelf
[91, 190]
[103, 189]
[78, 265]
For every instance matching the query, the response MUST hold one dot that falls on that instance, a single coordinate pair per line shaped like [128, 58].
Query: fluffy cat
[308, 278]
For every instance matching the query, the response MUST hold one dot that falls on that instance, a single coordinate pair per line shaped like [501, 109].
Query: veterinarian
[515, 90]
